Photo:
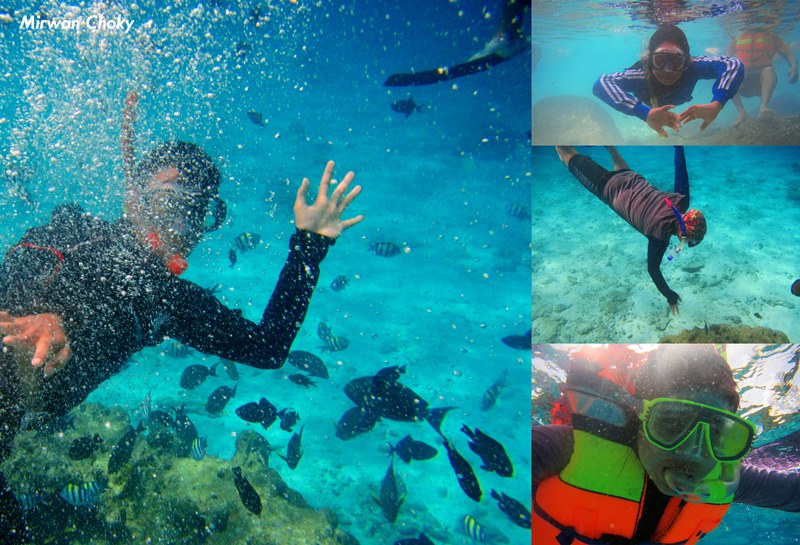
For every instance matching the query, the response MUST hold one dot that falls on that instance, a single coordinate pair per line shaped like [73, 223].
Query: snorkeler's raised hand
[43, 333]
[660, 117]
[707, 112]
[674, 308]
[324, 217]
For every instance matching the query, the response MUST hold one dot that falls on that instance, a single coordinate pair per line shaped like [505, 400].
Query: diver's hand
[792, 75]
[707, 112]
[324, 217]
[43, 333]
[661, 117]
[673, 308]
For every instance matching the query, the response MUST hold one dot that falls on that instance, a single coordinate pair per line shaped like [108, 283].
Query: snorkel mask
[673, 424]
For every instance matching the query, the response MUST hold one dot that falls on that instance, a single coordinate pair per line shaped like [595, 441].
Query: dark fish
[302, 380]
[492, 453]
[474, 530]
[408, 449]
[122, 451]
[288, 418]
[354, 422]
[757, 315]
[339, 283]
[85, 446]
[385, 249]
[262, 412]
[308, 362]
[185, 431]
[294, 451]
[490, 395]
[29, 501]
[177, 350]
[256, 117]
[230, 368]
[332, 342]
[519, 211]
[198, 450]
[162, 417]
[242, 48]
[219, 398]
[407, 106]
[232, 257]
[250, 498]
[464, 473]
[519, 342]
[514, 509]
[421, 540]
[247, 241]
[393, 493]
[81, 495]
[194, 375]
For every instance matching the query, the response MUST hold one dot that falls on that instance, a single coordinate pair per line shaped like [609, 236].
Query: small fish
[407, 106]
[288, 418]
[514, 509]
[392, 495]
[85, 446]
[757, 315]
[232, 257]
[333, 343]
[408, 449]
[308, 362]
[421, 540]
[29, 501]
[219, 398]
[339, 283]
[490, 395]
[247, 241]
[242, 48]
[262, 412]
[385, 249]
[519, 342]
[474, 530]
[302, 380]
[177, 350]
[354, 422]
[256, 117]
[294, 451]
[250, 498]
[185, 431]
[464, 473]
[519, 211]
[230, 368]
[492, 453]
[199, 448]
[81, 495]
[122, 451]
[195, 375]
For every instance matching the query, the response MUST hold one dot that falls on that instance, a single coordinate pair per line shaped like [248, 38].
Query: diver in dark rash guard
[656, 214]
[80, 295]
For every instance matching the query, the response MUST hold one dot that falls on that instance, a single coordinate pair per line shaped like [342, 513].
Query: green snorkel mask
[670, 424]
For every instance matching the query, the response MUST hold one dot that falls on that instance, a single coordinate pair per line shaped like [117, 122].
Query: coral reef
[724, 333]
[571, 120]
[156, 497]
[767, 130]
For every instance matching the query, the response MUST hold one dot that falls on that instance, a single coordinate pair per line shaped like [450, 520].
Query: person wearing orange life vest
[757, 51]
[655, 460]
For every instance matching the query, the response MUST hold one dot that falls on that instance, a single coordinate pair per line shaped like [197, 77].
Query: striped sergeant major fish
[474, 530]
[333, 343]
[198, 450]
[81, 495]
[490, 395]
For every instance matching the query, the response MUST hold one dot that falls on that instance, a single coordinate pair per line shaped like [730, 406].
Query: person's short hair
[669, 33]
[678, 369]
[197, 168]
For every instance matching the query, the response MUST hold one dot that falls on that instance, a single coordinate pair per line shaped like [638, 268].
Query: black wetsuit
[115, 297]
[641, 205]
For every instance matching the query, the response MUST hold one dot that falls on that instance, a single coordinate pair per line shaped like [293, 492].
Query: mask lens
[670, 62]
[669, 423]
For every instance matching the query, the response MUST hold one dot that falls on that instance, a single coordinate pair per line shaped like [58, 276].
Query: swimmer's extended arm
[552, 448]
[621, 90]
[655, 253]
[681, 174]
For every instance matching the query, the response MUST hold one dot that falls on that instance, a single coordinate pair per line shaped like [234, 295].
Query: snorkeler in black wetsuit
[87, 294]
[656, 214]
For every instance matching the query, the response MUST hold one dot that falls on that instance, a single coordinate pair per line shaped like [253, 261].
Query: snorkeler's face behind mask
[668, 63]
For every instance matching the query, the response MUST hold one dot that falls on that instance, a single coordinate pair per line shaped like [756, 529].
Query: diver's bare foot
[740, 119]
[766, 113]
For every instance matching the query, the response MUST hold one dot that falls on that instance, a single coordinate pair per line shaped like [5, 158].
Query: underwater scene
[599, 277]
[655, 72]
[399, 411]
[751, 386]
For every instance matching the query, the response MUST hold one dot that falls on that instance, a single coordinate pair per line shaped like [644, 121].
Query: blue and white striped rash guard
[625, 91]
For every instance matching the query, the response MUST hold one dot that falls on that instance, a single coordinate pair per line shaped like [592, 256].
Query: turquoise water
[439, 182]
[579, 41]
[590, 279]
[770, 398]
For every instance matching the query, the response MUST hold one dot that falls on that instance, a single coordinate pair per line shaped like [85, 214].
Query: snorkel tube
[674, 252]
[718, 487]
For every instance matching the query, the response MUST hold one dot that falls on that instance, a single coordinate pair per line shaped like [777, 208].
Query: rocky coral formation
[572, 120]
[156, 497]
[724, 333]
[767, 130]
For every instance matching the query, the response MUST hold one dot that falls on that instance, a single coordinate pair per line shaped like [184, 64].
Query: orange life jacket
[755, 49]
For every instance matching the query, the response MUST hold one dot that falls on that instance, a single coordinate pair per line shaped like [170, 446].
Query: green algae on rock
[724, 333]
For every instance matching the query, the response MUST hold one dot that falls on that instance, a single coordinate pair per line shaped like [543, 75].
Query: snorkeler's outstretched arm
[655, 253]
[681, 174]
[552, 448]
[770, 477]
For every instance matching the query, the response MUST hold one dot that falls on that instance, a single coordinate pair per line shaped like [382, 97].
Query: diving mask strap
[678, 214]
